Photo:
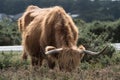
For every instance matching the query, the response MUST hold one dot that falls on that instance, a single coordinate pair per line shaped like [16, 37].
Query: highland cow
[50, 33]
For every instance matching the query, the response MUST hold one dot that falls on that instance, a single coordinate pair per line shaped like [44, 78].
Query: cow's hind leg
[24, 55]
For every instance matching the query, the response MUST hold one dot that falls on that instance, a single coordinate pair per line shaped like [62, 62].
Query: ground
[13, 68]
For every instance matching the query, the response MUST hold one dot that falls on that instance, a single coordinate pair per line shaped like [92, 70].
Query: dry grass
[12, 68]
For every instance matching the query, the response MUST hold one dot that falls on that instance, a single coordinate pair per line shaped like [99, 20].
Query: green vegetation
[98, 30]
[98, 34]
[11, 59]
[9, 34]
[13, 68]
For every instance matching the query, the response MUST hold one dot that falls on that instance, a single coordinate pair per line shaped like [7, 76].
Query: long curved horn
[93, 53]
[54, 51]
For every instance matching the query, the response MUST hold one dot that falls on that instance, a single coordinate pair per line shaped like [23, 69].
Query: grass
[13, 68]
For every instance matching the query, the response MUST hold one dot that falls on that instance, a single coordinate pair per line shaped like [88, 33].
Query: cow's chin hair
[69, 59]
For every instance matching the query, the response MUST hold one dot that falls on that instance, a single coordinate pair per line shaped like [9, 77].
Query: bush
[9, 34]
[96, 35]
[97, 32]
[11, 59]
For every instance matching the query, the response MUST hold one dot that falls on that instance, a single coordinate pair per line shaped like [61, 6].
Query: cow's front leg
[51, 63]
[34, 61]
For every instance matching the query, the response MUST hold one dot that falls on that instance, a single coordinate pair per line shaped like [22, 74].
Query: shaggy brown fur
[43, 27]
[70, 57]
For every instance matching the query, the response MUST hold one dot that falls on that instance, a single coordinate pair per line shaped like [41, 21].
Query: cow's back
[58, 29]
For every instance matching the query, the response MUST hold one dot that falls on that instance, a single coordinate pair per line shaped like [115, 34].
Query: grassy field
[13, 68]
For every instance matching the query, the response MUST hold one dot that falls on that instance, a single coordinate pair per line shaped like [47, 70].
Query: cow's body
[43, 27]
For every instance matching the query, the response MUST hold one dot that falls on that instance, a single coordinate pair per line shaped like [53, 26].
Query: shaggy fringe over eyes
[68, 59]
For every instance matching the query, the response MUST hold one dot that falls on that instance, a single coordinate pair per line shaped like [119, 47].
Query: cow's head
[68, 58]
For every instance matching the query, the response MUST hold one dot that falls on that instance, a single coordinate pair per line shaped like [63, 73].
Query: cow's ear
[48, 48]
[81, 47]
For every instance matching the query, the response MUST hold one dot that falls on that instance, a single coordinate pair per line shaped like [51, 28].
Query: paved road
[116, 45]
[11, 48]
[19, 48]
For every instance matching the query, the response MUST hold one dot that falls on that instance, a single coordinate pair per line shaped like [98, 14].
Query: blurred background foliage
[88, 10]
[9, 34]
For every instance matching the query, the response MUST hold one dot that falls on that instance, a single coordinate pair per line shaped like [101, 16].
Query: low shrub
[9, 34]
